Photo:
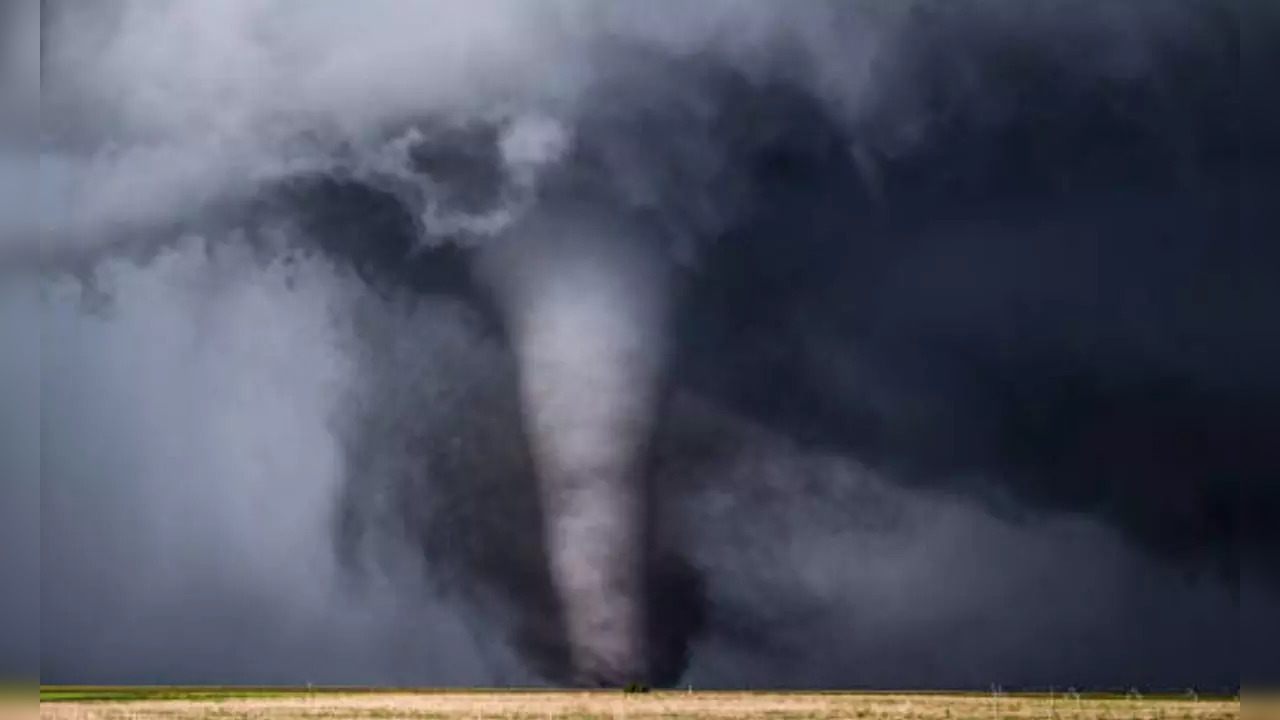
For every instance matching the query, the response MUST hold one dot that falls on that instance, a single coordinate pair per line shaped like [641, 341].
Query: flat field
[83, 703]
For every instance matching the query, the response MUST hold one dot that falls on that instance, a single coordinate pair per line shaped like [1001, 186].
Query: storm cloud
[946, 376]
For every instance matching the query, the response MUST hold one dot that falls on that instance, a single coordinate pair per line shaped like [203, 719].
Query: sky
[933, 420]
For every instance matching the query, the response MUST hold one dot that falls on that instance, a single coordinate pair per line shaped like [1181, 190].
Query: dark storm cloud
[1260, 216]
[965, 388]
[19, 484]
[20, 357]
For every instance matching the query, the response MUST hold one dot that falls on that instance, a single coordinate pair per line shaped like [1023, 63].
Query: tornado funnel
[584, 295]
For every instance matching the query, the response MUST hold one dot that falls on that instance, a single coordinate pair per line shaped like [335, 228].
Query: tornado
[584, 295]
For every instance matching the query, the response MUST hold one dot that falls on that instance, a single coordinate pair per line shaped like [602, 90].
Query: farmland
[85, 703]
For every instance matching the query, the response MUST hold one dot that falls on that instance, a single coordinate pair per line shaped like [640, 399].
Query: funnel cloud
[740, 344]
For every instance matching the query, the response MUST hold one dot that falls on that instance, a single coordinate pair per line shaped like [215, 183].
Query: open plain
[180, 703]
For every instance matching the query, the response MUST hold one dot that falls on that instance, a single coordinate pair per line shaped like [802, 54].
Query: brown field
[666, 705]
[18, 707]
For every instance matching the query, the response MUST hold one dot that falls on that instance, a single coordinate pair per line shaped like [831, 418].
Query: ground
[65, 703]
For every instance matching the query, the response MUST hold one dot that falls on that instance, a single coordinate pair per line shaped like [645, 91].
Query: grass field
[83, 703]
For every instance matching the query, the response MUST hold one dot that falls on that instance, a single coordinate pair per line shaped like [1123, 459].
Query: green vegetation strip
[131, 693]
[125, 693]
